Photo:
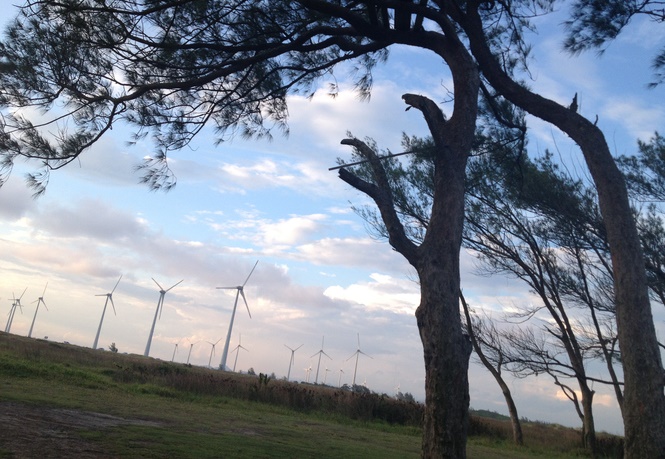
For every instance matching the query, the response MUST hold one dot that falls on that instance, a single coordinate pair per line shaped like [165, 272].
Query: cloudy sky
[319, 273]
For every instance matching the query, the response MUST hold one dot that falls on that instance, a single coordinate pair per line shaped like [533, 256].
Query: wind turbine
[357, 354]
[109, 297]
[240, 292]
[174, 351]
[191, 345]
[17, 302]
[237, 351]
[160, 306]
[39, 301]
[308, 370]
[339, 381]
[293, 351]
[321, 352]
[212, 350]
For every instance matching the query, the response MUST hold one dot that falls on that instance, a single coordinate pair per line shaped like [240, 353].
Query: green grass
[196, 412]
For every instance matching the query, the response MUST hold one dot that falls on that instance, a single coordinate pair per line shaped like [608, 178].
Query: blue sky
[319, 272]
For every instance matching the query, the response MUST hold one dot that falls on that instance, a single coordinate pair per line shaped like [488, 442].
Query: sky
[321, 280]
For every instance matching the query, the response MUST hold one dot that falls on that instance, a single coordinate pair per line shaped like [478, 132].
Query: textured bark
[588, 424]
[644, 401]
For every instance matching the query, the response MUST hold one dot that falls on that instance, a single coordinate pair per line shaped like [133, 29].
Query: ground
[28, 431]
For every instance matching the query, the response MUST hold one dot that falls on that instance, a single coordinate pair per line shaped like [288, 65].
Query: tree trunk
[446, 352]
[644, 379]
[446, 349]
[588, 425]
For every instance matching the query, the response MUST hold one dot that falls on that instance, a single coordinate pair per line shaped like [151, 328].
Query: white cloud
[385, 292]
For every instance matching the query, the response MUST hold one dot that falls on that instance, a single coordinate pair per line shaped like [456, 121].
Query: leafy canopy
[171, 67]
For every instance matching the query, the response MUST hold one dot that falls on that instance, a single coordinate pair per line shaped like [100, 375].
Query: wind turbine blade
[116, 284]
[19, 298]
[177, 283]
[326, 355]
[44, 289]
[246, 305]
[358, 340]
[352, 355]
[160, 287]
[367, 355]
[44, 303]
[250, 273]
[298, 347]
[112, 305]
[228, 288]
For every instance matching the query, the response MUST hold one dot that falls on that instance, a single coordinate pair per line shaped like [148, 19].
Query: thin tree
[489, 348]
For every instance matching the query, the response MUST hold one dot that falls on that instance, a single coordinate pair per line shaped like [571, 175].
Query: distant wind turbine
[240, 292]
[357, 354]
[237, 351]
[212, 350]
[109, 297]
[16, 303]
[321, 352]
[339, 381]
[308, 370]
[39, 301]
[158, 311]
[191, 345]
[175, 349]
[293, 351]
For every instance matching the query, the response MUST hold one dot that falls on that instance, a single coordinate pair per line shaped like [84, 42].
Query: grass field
[59, 400]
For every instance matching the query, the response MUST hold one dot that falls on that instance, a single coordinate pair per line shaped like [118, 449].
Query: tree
[409, 197]
[520, 222]
[644, 400]
[489, 347]
[436, 257]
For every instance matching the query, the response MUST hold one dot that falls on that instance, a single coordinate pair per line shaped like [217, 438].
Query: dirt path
[28, 431]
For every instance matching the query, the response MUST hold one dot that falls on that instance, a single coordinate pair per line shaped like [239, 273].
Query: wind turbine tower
[293, 351]
[158, 311]
[109, 297]
[39, 301]
[321, 352]
[239, 292]
[17, 302]
[357, 354]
